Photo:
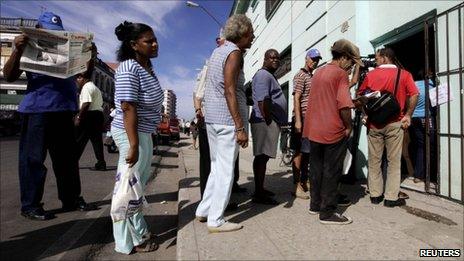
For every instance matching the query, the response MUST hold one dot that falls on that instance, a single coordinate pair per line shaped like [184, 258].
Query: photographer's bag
[385, 108]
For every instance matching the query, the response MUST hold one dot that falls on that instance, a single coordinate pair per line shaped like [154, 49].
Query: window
[271, 7]
[285, 62]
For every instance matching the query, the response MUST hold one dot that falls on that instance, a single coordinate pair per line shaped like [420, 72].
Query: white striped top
[134, 84]
[216, 110]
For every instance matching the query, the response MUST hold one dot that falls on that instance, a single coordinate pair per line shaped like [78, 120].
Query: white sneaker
[226, 227]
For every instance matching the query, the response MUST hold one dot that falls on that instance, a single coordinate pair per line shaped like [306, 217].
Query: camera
[368, 61]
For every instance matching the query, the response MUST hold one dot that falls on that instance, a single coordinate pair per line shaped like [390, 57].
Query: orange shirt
[329, 93]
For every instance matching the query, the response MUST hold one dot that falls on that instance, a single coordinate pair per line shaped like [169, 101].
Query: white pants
[223, 149]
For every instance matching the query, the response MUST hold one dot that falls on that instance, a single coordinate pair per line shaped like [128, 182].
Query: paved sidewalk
[288, 232]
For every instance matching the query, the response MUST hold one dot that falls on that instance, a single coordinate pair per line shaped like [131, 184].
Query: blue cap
[313, 53]
[50, 21]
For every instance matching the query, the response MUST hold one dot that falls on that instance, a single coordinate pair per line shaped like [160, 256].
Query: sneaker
[266, 200]
[201, 219]
[394, 203]
[99, 166]
[226, 227]
[237, 189]
[336, 219]
[342, 201]
[377, 200]
[300, 193]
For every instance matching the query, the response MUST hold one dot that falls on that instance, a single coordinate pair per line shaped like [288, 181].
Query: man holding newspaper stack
[47, 112]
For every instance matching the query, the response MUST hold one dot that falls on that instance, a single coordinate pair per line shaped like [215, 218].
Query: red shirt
[329, 94]
[383, 78]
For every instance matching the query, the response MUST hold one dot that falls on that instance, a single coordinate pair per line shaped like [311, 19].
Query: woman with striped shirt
[138, 99]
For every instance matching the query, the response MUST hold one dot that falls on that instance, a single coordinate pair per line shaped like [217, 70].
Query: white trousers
[223, 149]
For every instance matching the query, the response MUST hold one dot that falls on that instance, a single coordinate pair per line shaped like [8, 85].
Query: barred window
[271, 7]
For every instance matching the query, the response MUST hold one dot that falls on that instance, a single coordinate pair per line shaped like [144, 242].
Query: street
[84, 235]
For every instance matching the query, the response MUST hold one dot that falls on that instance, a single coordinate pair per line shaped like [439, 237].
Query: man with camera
[387, 134]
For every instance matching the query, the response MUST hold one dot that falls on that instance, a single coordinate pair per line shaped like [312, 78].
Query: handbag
[128, 198]
[385, 108]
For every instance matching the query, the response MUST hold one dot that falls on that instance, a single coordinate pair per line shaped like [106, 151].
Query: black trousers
[52, 132]
[325, 167]
[205, 160]
[90, 128]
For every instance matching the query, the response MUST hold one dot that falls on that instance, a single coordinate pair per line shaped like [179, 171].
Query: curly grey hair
[236, 27]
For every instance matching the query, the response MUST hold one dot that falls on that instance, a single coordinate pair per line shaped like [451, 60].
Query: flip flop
[147, 246]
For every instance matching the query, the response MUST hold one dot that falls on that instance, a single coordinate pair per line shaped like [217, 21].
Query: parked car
[164, 131]
[174, 128]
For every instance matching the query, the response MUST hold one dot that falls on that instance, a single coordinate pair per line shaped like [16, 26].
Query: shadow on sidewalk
[281, 183]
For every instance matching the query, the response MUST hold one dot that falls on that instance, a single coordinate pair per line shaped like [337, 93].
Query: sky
[186, 35]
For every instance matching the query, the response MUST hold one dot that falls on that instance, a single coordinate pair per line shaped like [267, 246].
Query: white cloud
[181, 71]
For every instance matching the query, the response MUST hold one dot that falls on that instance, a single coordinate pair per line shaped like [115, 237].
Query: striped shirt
[302, 84]
[216, 110]
[134, 84]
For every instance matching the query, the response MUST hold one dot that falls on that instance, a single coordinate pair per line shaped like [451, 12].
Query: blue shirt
[134, 84]
[420, 107]
[216, 110]
[49, 94]
[266, 86]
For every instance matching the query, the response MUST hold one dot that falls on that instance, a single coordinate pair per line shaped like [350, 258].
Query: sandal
[147, 246]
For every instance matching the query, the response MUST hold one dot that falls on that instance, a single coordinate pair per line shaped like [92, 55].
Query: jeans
[325, 166]
[224, 149]
[52, 132]
[128, 233]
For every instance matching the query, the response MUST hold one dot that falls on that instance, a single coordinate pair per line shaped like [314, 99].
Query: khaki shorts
[265, 138]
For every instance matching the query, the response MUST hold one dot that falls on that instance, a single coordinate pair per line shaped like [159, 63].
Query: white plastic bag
[128, 197]
[347, 162]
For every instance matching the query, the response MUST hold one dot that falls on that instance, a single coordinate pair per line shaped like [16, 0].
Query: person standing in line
[89, 120]
[47, 112]
[268, 114]
[225, 118]
[138, 100]
[327, 129]
[205, 160]
[388, 136]
[301, 88]
[194, 131]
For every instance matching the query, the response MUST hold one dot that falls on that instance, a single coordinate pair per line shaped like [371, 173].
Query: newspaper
[60, 54]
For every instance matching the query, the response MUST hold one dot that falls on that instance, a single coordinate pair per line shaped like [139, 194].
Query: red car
[174, 129]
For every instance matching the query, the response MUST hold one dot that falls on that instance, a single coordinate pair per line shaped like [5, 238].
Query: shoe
[37, 214]
[226, 227]
[99, 166]
[148, 246]
[237, 189]
[377, 200]
[79, 204]
[268, 193]
[343, 201]
[201, 219]
[403, 195]
[313, 211]
[300, 192]
[336, 219]
[232, 206]
[417, 180]
[394, 203]
[266, 200]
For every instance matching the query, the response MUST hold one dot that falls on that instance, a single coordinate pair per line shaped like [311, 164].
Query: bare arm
[297, 110]
[11, 69]
[265, 109]
[355, 78]
[345, 115]
[231, 70]
[130, 124]
[406, 120]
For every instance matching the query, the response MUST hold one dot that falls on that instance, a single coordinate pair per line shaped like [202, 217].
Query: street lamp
[193, 4]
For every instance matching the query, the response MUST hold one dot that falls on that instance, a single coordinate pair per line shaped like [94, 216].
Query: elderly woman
[138, 99]
[226, 119]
